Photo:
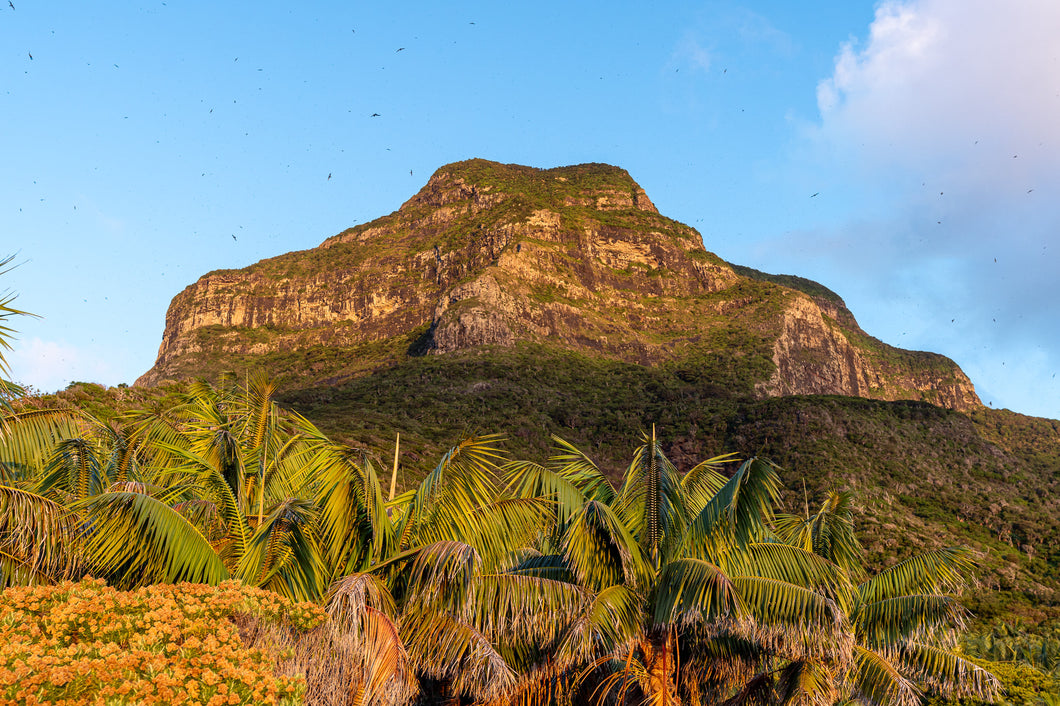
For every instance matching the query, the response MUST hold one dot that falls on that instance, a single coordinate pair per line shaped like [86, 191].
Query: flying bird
[329, 176]
[30, 55]
[11, 4]
[400, 49]
[814, 194]
[234, 237]
[410, 172]
[375, 115]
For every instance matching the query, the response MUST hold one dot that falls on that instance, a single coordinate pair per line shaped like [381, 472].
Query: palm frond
[282, 555]
[805, 683]
[794, 565]
[893, 620]
[465, 479]
[738, 514]
[441, 574]
[38, 539]
[386, 667]
[573, 464]
[652, 503]
[136, 540]
[938, 571]
[215, 488]
[692, 591]
[518, 608]
[945, 672]
[612, 618]
[354, 526]
[786, 611]
[704, 481]
[27, 437]
[600, 551]
[828, 533]
[443, 647]
[877, 681]
[530, 480]
[500, 529]
[73, 469]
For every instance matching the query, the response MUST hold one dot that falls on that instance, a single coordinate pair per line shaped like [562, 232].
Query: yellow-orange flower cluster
[87, 643]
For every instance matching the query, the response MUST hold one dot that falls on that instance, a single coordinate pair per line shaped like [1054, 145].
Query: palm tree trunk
[661, 665]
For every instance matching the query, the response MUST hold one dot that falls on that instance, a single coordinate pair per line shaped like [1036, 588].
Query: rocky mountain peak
[578, 257]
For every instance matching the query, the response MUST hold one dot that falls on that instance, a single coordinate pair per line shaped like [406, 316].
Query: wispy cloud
[948, 115]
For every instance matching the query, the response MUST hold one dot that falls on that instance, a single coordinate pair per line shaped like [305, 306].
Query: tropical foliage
[491, 581]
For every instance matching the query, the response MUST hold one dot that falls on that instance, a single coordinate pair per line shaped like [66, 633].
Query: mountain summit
[578, 258]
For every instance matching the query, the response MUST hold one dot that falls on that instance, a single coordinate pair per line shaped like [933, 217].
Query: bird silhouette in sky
[234, 237]
[329, 176]
[30, 55]
[400, 49]
[814, 194]
[375, 115]
[11, 4]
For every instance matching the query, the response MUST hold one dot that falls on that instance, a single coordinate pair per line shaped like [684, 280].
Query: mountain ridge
[578, 257]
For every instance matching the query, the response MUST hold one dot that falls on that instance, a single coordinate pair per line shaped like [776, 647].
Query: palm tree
[688, 597]
[905, 619]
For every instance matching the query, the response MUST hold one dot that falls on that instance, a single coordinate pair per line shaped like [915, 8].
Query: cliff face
[576, 257]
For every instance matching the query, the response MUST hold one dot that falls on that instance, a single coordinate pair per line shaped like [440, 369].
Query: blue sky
[145, 144]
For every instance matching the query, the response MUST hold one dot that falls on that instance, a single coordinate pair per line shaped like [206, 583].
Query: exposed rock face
[492, 254]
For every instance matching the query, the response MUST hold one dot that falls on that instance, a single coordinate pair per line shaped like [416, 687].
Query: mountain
[577, 258]
[532, 302]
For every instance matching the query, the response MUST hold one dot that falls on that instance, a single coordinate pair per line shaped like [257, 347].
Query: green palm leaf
[931, 572]
[892, 620]
[601, 552]
[792, 565]
[795, 621]
[214, 487]
[354, 527]
[946, 672]
[805, 683]
[519, 608]
[136, 540]
[282, 555]
[704, 481]
[611, 619]
[502, 528]
[829, 533]
[27, 437]
[73, 469]
[572, 463]
[529, 479]
[877, 681]
[738, 514]
[692, 591]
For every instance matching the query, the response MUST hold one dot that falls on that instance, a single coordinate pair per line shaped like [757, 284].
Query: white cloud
[48, 366]
[936, 77]
[947, 120]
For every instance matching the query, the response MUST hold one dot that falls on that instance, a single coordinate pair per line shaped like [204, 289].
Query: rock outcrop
[488, 254]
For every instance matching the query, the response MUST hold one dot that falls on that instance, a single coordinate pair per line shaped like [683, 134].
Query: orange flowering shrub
[87, 643]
